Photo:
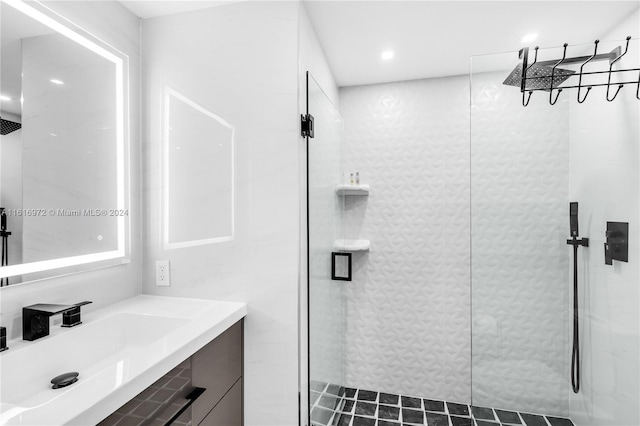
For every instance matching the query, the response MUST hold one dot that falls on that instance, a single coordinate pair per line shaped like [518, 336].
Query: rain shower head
[538, 77]
[7, 126]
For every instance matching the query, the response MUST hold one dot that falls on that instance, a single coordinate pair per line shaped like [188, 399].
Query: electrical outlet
[163, 276]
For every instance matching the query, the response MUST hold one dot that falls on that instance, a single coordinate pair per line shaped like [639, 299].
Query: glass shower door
[519, 204]
[325, 296]
[527, 164]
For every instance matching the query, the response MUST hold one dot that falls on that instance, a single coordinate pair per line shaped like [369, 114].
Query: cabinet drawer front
[228, 412]
[216, 367]
[158, 403]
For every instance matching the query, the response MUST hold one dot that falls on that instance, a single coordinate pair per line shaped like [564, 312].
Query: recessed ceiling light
[529, 38]
[387, 55]
[56, 81]
[5, 98]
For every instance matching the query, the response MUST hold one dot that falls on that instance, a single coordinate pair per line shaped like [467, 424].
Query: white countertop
[119, 351]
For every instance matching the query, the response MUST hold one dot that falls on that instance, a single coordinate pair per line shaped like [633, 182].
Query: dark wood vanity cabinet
[218, 368]
[206, 389]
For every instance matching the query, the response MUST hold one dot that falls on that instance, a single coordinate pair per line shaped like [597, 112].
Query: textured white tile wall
[520, 263]
[407, 313]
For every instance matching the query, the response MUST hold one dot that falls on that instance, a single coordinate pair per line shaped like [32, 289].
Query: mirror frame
[53, 20]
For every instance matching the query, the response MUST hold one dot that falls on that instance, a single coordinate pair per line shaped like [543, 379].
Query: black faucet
[3, 339]
[35, 318]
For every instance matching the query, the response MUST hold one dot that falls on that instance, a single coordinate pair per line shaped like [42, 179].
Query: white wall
[239, 62]
[117, 26]
[311, 58]
[605, 155]
[407, 313]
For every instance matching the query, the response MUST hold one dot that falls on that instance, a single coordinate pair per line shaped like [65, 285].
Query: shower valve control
[616, 245]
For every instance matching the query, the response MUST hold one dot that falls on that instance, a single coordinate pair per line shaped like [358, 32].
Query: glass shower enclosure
[325, 296]
[546, 173]
[527, 165]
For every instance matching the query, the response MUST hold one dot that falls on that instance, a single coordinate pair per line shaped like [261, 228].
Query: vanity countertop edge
[91, 400]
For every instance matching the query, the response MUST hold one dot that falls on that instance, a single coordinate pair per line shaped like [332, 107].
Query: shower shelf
[352, 245]
[352, 190]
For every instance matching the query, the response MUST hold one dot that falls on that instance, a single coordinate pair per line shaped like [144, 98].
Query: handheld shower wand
[575, 242]
[573, 218]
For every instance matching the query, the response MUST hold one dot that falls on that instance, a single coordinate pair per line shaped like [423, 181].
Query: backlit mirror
[62, 149]
[198, 172]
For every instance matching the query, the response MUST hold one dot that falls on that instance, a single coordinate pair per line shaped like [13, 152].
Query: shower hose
[575, 353]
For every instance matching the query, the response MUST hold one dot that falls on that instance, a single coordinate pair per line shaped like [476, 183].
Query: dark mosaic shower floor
[337, 406]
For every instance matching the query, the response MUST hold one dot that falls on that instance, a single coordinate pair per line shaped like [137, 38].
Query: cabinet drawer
[159, 402]
[228, 412]
[216, 368]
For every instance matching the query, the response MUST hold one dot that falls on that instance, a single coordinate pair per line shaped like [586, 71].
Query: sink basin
[118, 351]
[87, 346]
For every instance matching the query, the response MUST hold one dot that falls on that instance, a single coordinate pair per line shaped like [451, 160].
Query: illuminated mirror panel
[198, 174]
[62, 182]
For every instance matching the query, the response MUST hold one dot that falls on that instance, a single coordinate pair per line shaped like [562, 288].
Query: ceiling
[152, 8]
[432, 38]
[436, 38]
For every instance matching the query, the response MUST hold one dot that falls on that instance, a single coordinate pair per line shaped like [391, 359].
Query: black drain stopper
[64, 379]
